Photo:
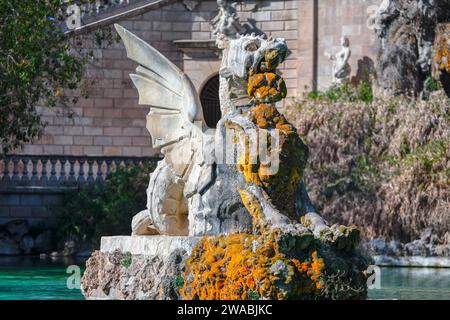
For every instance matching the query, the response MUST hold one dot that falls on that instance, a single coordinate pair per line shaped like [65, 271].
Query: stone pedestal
[137, 267]
[273, 265]
[161, 246]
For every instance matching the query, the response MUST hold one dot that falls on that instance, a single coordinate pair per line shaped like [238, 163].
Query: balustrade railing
[60, 172]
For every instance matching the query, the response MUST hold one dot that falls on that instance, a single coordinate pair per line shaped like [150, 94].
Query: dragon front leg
[167, 207]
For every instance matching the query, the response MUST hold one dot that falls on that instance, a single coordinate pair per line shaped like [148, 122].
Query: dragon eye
[252, 46]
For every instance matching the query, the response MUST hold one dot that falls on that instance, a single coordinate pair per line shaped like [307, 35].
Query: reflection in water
[32, 278]
[413, 283]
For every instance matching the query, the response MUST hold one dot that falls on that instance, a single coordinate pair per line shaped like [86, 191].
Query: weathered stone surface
[394, 248]
[137, 267]
[27, 244]
[416, 248]
[273, 265]
[43, 242]
[141, 225]
[263, 237]
[121, 275]
[377, 246]
[406, 31]
[441, 56]
[161, 246]
[427, 246]
[18, 238]
[161, 267]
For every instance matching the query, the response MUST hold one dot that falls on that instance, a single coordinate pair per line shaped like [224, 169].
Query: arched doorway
[210, 102]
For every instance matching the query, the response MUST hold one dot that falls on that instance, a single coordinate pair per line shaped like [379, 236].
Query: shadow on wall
[250, 27]
[366, 68]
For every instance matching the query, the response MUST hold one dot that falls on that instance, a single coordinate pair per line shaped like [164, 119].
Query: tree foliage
[104, 210]
[37, 63]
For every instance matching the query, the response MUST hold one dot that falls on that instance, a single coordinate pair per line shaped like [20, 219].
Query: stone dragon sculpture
[196, 189]
[227, 211]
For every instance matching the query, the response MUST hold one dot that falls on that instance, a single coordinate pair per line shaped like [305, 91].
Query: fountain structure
[228, 215]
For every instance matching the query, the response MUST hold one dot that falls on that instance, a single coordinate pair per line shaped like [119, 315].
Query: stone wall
[29, 206]
[110, 122]
[345, 18]
[321, 25]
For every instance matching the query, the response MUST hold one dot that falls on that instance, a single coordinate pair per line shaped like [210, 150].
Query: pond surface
[413, 284]
[32, 278]
[35, 279]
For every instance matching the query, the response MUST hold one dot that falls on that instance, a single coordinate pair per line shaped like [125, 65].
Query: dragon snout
[269, 59]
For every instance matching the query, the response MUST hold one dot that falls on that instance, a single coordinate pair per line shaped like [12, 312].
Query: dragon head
[251, 54]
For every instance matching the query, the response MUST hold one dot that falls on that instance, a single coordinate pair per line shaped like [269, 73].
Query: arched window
[210, 102]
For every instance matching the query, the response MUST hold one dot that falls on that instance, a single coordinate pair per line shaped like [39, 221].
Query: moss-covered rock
[263, 266]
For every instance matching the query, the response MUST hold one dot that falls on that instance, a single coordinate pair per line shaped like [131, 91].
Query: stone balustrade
[60, 172]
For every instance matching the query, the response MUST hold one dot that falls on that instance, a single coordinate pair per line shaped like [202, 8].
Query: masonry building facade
[111, 123]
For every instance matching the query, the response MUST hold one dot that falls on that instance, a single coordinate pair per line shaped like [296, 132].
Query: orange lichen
[249, 169]
[272, 58]
[267, 116]
[253, 207]
[249, 266]
[441, 57]
[291, 152]
[292, 155]
[243, 266]
[266, 87]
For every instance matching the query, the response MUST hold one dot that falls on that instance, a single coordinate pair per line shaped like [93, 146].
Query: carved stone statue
[194, 189]
[341, 67]
[226, 23]
[238, 187]
[379, 17]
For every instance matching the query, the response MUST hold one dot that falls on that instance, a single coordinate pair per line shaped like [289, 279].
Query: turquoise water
[413, 284]
[32, 278]
[35, 279]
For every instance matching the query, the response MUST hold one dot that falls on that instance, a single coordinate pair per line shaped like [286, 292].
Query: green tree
[38, 61]
[106, 209]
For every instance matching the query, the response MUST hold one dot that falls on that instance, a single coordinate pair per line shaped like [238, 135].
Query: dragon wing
[175, 105]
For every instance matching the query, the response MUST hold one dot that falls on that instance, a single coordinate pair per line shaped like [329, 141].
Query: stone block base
[137, 267]
[157, 245]
[272, 265]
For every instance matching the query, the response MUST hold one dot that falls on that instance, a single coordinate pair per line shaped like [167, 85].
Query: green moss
[105, 209]
[178, 282]
[126, 260]
[253, 295]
